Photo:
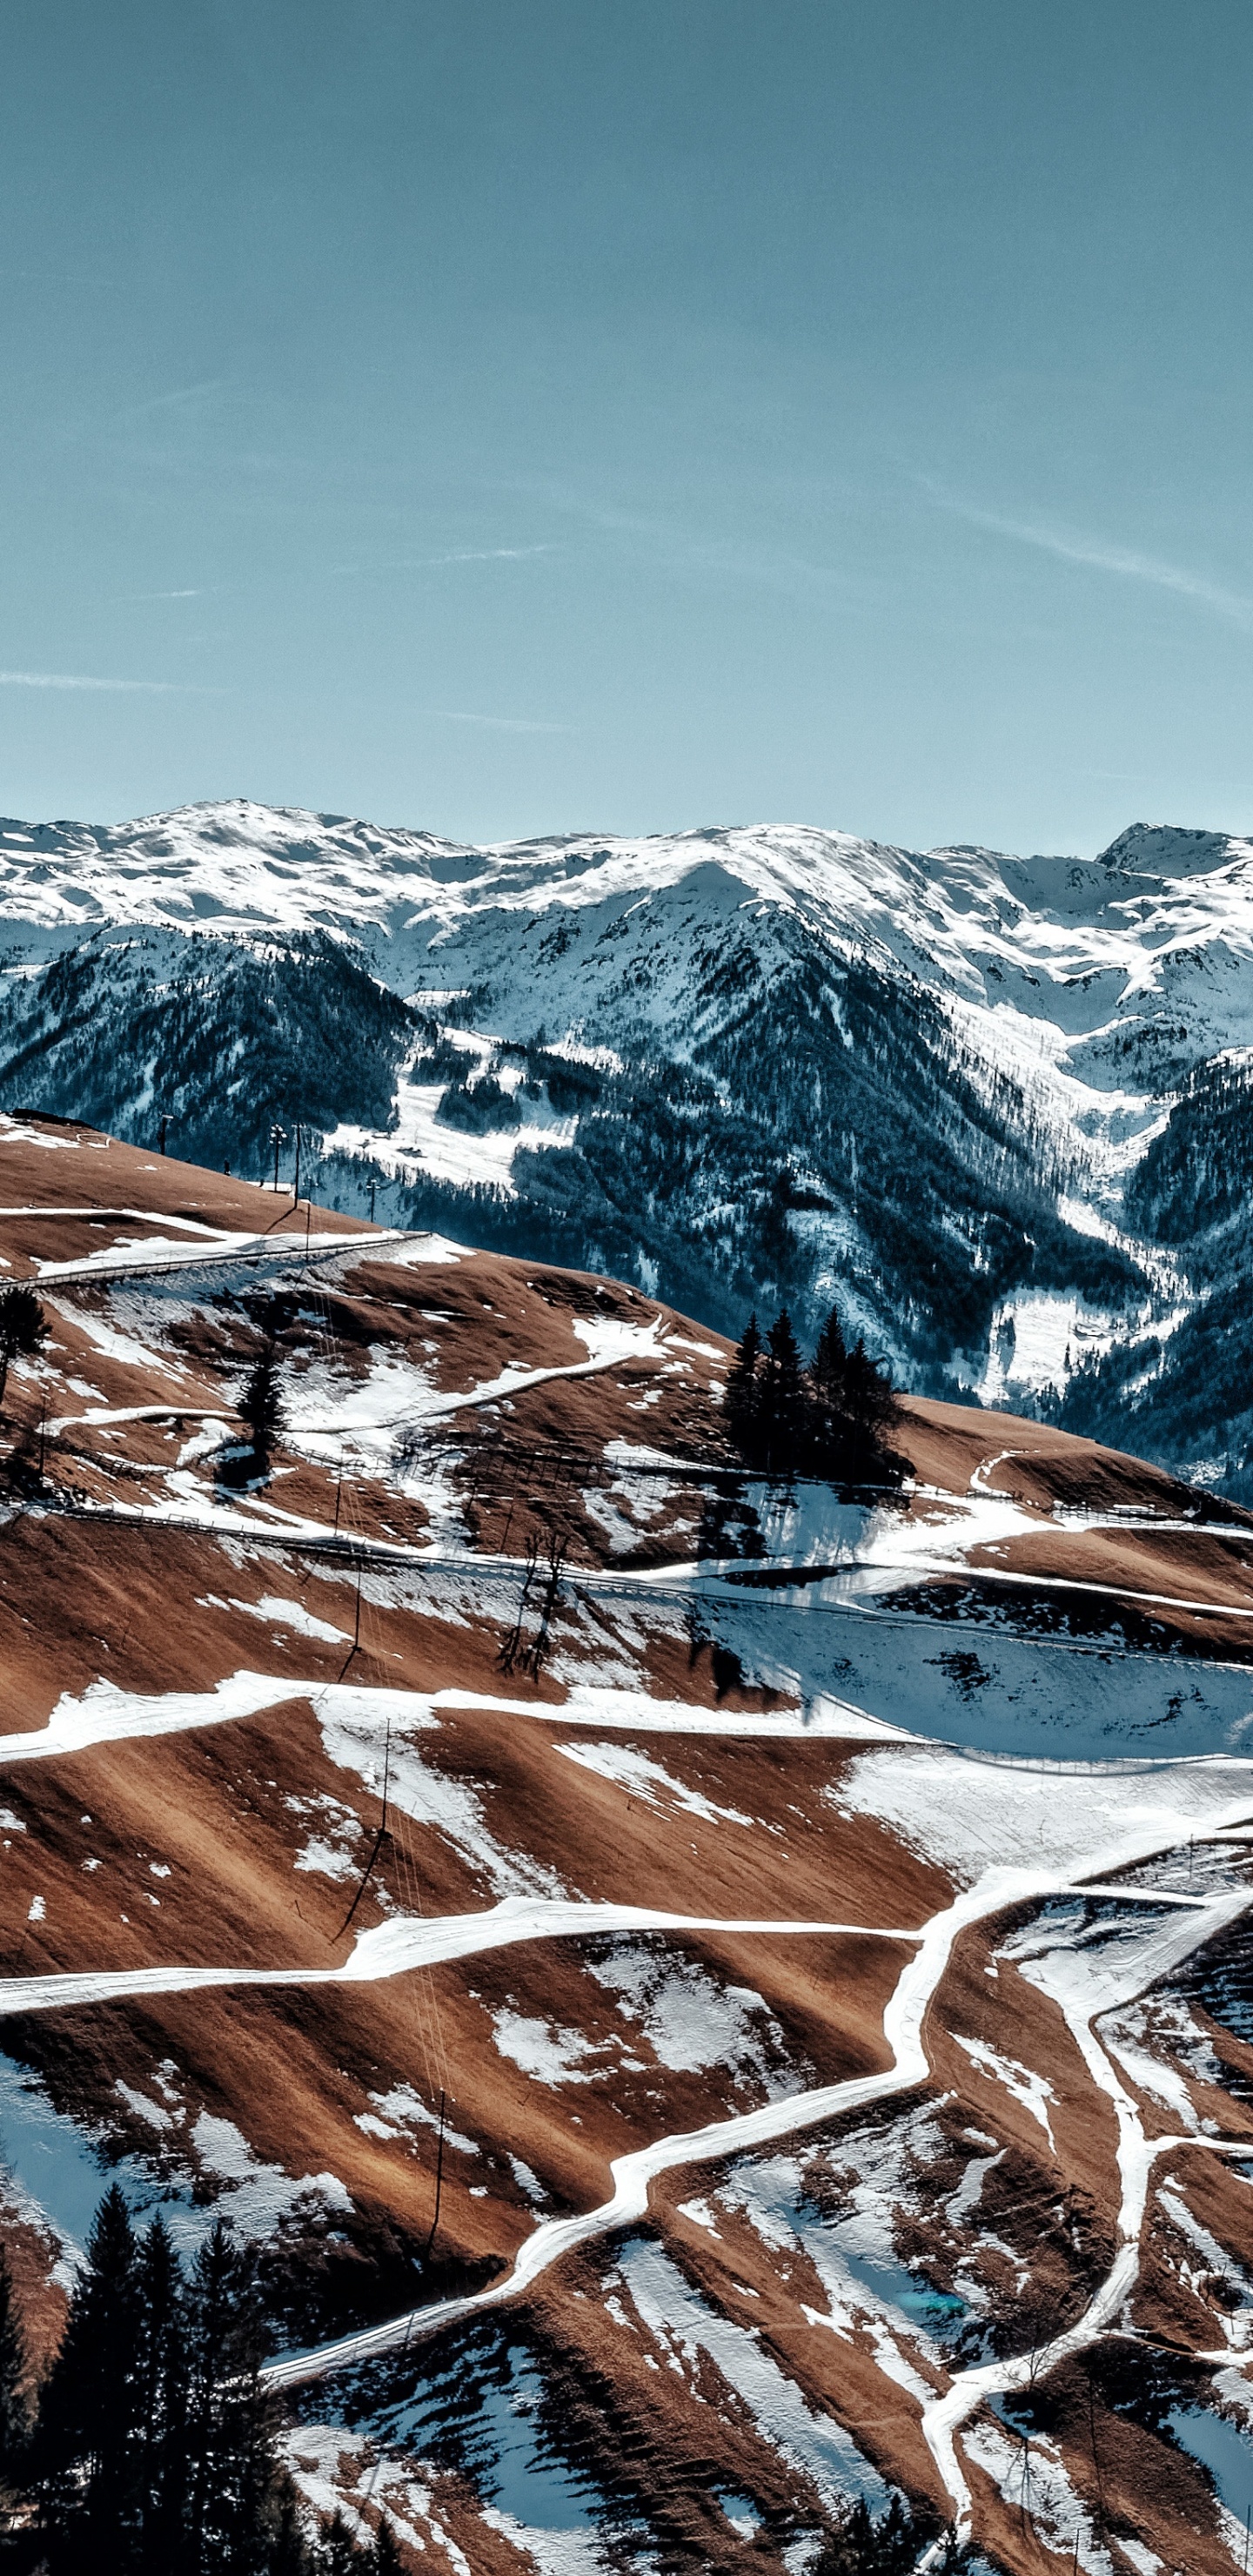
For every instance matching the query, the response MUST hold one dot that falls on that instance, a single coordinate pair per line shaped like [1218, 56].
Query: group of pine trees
[149, 2449]
[830, 1419]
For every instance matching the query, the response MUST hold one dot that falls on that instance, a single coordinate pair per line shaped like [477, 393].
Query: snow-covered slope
[1096, 951]
[708, 2000]
[738, 1065]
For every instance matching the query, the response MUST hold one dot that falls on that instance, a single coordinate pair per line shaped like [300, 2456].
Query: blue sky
[513, 416]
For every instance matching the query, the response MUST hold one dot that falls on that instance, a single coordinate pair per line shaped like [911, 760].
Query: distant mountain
[1000, 1109]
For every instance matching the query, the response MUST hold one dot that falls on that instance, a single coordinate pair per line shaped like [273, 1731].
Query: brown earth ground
[148, 1554]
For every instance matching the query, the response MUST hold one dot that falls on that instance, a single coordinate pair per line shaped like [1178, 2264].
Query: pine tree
[743, 1397]
[231, 2470]
[860, 2547]
[161, 2367]
[868, 1391]
[153, 2454]
[87, 2452]
[783, 1397]
[289, 2550]
[340, 2554]
[387, 2558]
[23, 1328]
[830, 1365]
[261, 1404]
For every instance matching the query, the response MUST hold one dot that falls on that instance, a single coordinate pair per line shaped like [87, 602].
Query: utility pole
[278, 1136]
[439, 2179]
[295, 1187]
[165, 1121]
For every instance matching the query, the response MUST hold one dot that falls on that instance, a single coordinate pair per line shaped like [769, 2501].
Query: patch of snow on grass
[258, 2196]
[403, 2105]
[609, 1338]
[686, 2330]
[967, 1814]
[846, 2228]
[278, 1611]
[650, 1781]
[542, 2050]
[1225, 2451]
[1057, 2512]
[1032, 2090]
[1214, 2262]
[692, 2021]
[352, 1738]
[1164, 2022]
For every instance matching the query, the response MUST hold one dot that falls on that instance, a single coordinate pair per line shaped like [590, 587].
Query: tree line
[830, 1419]
[150, 2444]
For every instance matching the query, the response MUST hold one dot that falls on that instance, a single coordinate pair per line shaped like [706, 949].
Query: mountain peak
[1169, 850]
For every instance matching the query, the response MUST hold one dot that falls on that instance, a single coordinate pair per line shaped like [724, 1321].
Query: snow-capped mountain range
[1001, 1109]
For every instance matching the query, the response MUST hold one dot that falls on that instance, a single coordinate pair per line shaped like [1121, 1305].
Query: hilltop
[711, 1998]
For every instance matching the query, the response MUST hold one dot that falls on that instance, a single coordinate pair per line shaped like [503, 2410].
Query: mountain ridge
[944, 1089]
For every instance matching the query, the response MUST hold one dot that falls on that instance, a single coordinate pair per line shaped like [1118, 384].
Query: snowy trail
[511, 1381]
[998, 1889]
[857, 1586]
[852, 1588]
[413, 1941]
[942, 2419]
[134, 1261]
[106, 1715]
[632, 2173]
[441, 1409]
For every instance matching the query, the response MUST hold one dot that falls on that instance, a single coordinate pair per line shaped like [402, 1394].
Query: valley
[999, 1108]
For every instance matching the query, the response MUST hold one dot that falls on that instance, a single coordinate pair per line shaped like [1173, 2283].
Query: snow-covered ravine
[997, 1890]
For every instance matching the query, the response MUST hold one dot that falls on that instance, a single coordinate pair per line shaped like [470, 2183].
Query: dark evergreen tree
[230, 2446]
[387, 2559]
[743, 1397]
[161, 2375]
[88, 2445]
[860, 2547]
[868, 1393]
[340, 2554]
[261, 1404]
[23, 1328]
[782, 1400]
[153, 2454]
[830, 1365]
[290, 2554]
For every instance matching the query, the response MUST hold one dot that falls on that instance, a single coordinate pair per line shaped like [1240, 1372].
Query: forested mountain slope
[999, 1108]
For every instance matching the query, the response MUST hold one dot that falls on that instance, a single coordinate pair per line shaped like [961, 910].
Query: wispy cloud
[141, 596]
[182, 398]
[1124, 561]
[73, 680]
[497, 724]
[479, 554]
